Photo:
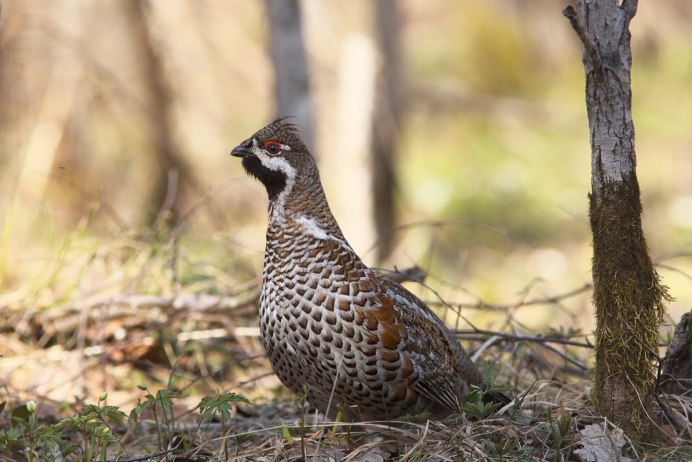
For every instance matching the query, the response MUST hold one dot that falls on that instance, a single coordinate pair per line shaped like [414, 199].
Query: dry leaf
[601, 445]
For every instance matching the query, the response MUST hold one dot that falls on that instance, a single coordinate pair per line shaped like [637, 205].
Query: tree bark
[165, 199]
[628, 296]
[676, 368]
[386, 123]
[291, 82]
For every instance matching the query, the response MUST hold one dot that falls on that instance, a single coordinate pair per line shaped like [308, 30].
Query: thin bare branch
[504, 307]
[588, 41]
[67, 317]
[484, 333]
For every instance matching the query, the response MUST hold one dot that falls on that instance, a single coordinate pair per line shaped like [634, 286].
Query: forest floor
[180, 375]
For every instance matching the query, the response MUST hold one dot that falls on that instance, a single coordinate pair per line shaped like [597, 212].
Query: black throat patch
[273, 180]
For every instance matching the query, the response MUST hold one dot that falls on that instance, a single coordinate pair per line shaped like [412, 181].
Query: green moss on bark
[629, 299]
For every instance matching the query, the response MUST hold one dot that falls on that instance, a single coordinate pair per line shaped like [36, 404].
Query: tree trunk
[386, 122]
[166, 194]
[676, 368]
[628, 296]
[291, 82]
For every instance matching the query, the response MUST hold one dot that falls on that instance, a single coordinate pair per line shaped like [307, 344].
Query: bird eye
[272, 147]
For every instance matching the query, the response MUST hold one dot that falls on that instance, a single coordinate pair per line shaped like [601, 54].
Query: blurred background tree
[173, 173]
[468, 115]
[289, 61]
[387, 117]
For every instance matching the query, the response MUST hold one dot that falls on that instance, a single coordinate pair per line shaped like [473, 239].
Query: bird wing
[445, 370]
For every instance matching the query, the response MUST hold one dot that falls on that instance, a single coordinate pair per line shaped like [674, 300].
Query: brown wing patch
[389, 337]
[445, 369]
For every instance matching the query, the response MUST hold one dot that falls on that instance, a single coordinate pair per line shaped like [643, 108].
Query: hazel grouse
[356, 340]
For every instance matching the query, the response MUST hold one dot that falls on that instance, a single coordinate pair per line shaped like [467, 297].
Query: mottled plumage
[356, 340]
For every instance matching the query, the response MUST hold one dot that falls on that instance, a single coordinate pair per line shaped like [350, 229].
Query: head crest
[282, 131]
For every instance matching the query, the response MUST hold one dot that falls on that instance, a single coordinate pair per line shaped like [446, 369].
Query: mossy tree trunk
[628, 296]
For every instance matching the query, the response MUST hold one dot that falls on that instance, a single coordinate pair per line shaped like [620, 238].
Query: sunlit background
[492, 164]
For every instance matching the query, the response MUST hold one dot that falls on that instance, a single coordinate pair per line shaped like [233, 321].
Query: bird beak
[241, 151]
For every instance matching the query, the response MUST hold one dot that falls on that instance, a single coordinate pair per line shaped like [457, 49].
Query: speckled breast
[324, 328]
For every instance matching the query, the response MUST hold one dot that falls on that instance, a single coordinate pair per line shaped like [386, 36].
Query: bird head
[276, 156]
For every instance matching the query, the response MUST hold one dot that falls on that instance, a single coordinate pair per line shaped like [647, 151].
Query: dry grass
[157, 346]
